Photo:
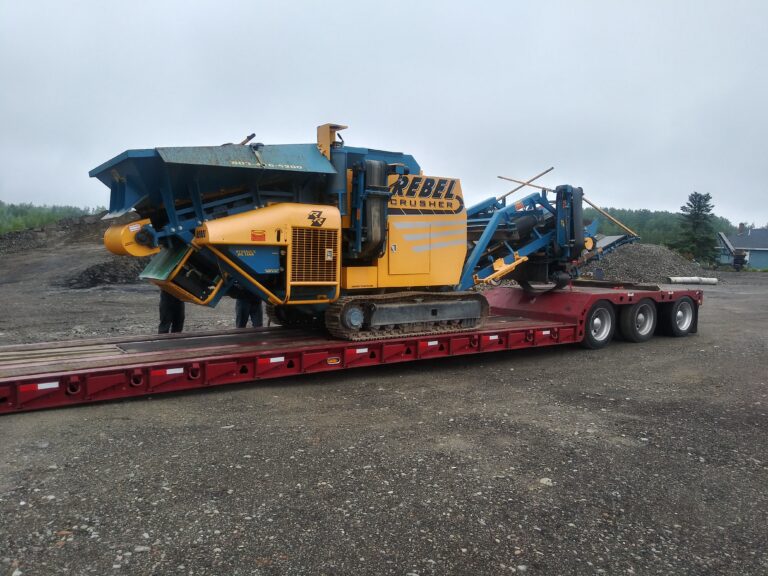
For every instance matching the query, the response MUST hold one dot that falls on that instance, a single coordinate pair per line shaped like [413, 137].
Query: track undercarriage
[367, 317]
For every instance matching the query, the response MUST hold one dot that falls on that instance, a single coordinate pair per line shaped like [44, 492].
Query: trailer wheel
[638, 321]
[679, 317]
[600, 325]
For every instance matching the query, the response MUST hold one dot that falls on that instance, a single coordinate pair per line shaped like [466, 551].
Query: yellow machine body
[306, 236]
[426, 245]
[426, 237]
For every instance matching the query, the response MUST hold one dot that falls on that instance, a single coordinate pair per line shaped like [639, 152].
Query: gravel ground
[645, 263]
[636, 459]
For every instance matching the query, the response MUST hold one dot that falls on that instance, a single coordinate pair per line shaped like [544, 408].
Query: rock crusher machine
[356, 239]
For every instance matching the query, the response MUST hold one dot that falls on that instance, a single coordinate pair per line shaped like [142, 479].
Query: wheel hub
[600, 325]
[684, 316]
[644, 320]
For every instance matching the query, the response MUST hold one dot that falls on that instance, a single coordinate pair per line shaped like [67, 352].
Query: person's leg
[178, 317]
[242, 309]
[166, 314]
[257, 318]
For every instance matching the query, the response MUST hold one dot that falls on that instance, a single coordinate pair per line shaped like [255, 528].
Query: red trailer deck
[55, 374]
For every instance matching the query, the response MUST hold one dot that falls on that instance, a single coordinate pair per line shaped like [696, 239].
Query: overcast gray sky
[640, 103]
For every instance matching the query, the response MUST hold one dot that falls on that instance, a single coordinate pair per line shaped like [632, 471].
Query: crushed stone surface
[637, 459]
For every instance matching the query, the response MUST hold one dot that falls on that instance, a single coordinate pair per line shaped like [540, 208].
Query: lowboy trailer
[52, 375]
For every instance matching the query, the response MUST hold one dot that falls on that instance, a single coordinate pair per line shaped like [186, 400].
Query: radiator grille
[314, 255]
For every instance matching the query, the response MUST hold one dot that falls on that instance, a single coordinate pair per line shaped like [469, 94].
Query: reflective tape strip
[425, 235]
[47, 385]
[438, 245]
[38, 387]
[411, 225]
[167, 371]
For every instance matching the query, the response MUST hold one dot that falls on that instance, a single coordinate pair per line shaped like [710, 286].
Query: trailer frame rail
[57, 376]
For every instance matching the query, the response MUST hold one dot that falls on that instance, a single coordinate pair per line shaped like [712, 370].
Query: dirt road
[637, 459]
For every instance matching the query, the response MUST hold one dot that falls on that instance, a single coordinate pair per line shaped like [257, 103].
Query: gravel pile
[117, 270]
[647, 263]
[22, 240]
[88, 229]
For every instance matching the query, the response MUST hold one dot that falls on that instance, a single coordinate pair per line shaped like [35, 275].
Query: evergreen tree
[697, 234]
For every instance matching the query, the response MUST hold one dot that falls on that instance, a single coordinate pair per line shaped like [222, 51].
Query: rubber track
[334, 326]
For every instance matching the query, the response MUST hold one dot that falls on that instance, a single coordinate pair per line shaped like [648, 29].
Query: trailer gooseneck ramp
[48, 375]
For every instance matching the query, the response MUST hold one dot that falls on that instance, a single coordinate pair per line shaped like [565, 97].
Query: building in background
[746, 249]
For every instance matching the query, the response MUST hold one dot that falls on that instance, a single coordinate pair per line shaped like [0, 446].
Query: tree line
[22, 216]
[658, 226]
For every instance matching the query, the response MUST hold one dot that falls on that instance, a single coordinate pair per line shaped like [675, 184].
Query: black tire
[638, 321]
[680, 317]
[599, 325]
